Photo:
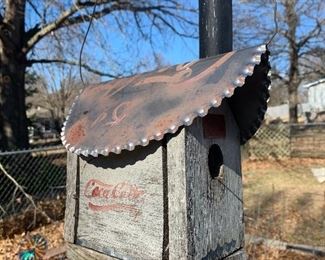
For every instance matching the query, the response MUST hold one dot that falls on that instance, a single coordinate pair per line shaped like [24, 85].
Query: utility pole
[215, 26]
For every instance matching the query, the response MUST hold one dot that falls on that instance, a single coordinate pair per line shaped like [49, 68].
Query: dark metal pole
[215, 19]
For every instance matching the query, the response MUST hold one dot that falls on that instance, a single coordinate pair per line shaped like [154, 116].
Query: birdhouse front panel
[121, 208]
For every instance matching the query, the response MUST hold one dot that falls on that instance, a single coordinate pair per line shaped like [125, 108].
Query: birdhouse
[154, 168]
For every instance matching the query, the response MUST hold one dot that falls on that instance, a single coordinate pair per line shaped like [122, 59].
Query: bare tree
[296, 48]
[57, 92]
[51, 32]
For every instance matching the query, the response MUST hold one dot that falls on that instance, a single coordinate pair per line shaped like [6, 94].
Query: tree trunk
[13, 126]
[292, 22]
[293, 103]
[13, 120]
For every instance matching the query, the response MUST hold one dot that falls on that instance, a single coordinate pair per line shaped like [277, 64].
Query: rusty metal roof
[127, 112]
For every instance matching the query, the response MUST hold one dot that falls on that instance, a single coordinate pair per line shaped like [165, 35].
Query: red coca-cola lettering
[119, 197]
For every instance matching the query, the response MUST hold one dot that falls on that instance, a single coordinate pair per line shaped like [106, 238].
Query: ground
[264, 253]
[282, 201]
[52, 232]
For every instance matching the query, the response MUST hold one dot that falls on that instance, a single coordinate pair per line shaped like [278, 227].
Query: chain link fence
[287, 140]
[40, 172]
[271, 140]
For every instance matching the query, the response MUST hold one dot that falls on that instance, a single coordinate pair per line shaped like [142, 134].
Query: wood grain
[215, 206]
[81, 253]
[121, 226]
[69, 219]
[177, 200]
[206, 215]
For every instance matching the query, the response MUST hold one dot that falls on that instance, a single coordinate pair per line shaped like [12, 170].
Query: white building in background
[313, 109]
[280, 113]
[316, 95]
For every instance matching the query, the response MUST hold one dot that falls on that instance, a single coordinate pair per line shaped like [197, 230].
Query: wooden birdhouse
[154, 168]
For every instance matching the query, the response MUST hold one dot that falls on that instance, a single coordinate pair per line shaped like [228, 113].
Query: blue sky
[182, 50]
[124, 52]
[128, 51]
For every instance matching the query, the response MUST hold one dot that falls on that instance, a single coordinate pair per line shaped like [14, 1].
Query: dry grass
[53, 233]
[259, 252]
[284, 201]
[14, 228]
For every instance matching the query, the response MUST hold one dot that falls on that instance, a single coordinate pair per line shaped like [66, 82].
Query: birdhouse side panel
[205, 211]
[214, 189]
[121, 207]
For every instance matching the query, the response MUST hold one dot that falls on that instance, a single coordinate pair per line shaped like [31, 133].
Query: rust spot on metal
[76, 132]
[163, 123]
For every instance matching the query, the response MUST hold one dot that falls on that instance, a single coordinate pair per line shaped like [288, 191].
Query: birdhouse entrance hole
[215, 160]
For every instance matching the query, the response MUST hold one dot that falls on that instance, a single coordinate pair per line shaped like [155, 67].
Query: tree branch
[171, 27]
[35, 9]
[276, 75]
[68, 18]
[73, 63]
[29, 197]
[47, 29]
[312, 34]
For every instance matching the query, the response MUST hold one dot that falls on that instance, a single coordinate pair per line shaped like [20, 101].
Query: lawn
[283, 201]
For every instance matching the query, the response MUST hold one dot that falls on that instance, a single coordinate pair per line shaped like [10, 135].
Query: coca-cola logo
[119, 197]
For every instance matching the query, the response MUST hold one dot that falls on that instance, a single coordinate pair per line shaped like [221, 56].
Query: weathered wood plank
[69, 220]
[177, 201]
[54, 253]
[121, 210]
[215, 206]
[205, 214]
[81, 253]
